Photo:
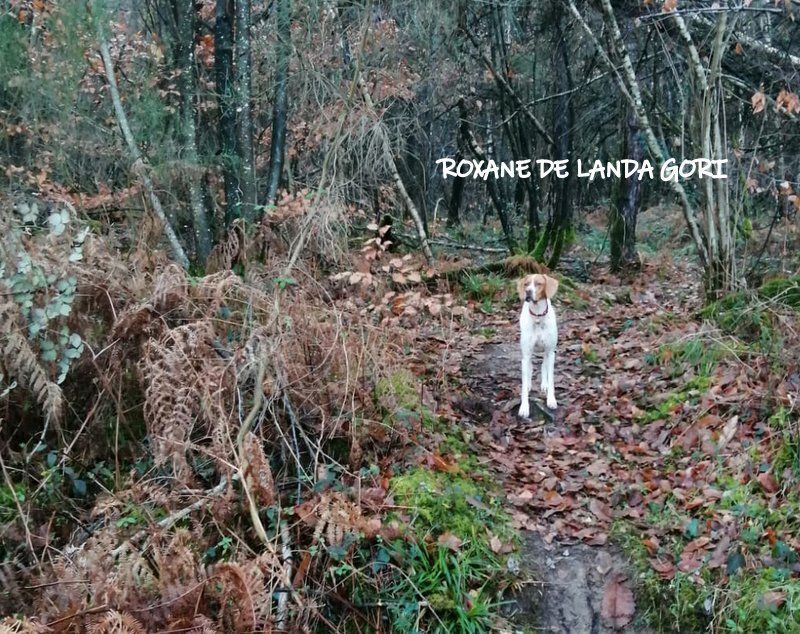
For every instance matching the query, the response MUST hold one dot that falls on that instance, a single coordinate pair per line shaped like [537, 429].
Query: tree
[226, 124]
[242, 106]
[280, 105]
[714, 241]
[624, 208]
[185, 19]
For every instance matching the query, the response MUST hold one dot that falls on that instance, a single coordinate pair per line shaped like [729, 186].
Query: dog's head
[535, 287]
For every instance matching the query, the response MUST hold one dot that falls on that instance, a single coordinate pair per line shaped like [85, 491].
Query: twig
[258, 399]
[286, 552]
[168, 521]
[139, 167]
[468, 247]
[13, 492]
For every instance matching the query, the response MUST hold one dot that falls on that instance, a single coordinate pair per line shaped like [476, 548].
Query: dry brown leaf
[768, 482]
[665, 569]
[618, 605]
[758, 100]
[448, 540]
[601, 510]
[773, 599]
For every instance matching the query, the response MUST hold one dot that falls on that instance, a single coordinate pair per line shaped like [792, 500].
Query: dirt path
[567, 577]
[569, 475]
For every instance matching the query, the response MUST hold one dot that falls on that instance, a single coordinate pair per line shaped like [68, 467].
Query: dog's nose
[528, 296]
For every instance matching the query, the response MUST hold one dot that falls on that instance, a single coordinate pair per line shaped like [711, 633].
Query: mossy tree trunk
[560, 226]
[280, 106]
[185, 19]
[226, 131]
[624, 209]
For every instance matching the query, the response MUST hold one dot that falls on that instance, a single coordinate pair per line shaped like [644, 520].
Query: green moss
[399, 396]
[441, 502]
[689, 393]
[426, 586]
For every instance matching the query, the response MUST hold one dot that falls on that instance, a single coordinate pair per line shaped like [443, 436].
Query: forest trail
[569, 475]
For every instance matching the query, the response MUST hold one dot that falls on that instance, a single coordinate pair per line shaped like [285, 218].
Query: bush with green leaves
[40, 286]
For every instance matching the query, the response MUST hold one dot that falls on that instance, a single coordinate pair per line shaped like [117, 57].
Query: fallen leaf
[773, 599]
[495, 544]
[768, 482]
[720, 553]
[601, 510]
[598, 467]
[448, 540]
[618, 605]
[758, 100]
[521, 498]
[665, 569]
[669, 6]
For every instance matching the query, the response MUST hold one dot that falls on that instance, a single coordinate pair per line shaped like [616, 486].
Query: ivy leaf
[734, 563]
[27, 212]
[58, 221]
[79, 486]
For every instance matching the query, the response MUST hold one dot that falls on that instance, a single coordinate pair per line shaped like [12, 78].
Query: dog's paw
[524, 409]
[543, 388]
[551, 403]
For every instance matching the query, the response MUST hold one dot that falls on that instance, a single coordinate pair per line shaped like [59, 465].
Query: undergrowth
[254, 455]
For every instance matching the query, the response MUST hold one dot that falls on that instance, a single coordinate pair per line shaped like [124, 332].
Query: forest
[264, 274]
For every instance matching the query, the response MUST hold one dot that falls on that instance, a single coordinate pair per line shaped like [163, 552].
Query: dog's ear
[521, 284]
[550, 286]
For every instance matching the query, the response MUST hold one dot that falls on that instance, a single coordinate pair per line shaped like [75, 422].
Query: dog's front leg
[545, 374]
[527, 371]
[549, 362]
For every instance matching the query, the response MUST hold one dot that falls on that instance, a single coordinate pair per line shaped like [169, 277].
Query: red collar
[533, 314]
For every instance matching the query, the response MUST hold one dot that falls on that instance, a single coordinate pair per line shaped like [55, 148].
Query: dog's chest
[538, 336]
[538, 332]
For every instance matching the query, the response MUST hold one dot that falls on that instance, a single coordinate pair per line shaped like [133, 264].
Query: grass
[399, 397]
[453, 583]
[483, 286]
[441, 574]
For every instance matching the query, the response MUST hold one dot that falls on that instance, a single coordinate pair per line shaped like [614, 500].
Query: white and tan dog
[538, 330]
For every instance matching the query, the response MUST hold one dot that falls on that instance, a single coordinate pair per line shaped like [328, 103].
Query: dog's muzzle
[528, 296]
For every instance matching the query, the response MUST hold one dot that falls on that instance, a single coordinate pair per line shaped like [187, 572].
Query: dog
[538, 330]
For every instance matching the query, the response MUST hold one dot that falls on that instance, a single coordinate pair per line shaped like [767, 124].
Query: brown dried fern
[229, 587]
[231, 250]
[113, 622]
[186, 384]
[21, 362]
[258, 472]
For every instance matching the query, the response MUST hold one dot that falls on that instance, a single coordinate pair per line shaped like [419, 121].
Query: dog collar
[546, 308]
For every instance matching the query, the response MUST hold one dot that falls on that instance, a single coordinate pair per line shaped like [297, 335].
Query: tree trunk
[629, 86]
[139, 167]
[625, 205]
[561, 228]
[244, 114]
[456, 194]
[280, 106]
[223, 71]
[185, 17]
[493, 189]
